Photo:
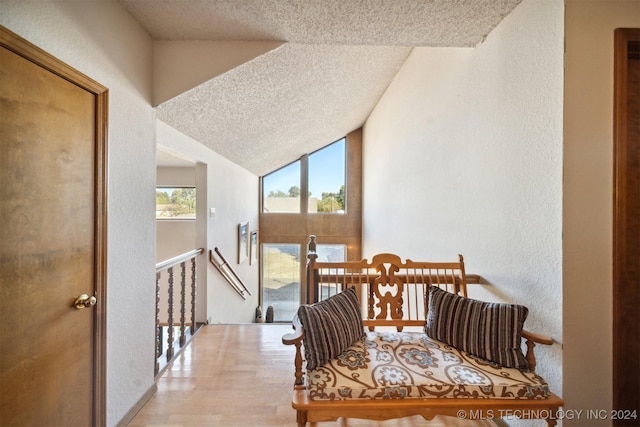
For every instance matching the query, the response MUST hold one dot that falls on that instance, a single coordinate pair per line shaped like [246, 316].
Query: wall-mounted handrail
[229, 273]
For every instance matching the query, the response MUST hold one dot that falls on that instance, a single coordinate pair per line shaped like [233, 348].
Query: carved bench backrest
[392, 292]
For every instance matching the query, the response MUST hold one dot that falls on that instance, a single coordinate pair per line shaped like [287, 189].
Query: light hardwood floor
[242, 376]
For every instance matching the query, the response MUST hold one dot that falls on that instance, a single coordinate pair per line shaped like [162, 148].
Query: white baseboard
[136, 408]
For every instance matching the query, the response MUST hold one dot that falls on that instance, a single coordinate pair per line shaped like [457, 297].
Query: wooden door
[52, 240]
[626, 230]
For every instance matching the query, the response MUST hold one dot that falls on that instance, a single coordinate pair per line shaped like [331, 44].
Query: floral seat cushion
[397, 365]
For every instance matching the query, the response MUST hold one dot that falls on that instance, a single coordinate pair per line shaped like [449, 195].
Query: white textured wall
[588, 196]
[100, 39]
[233, 192]
[463, 154]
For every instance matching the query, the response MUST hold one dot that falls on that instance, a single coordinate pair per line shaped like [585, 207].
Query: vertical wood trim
[354, 193]
[304, 185]
[31, 52]
[626, 365]
[100, 358]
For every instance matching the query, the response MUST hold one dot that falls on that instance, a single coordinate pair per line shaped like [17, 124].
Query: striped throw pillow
[330, 327]
[490, 331]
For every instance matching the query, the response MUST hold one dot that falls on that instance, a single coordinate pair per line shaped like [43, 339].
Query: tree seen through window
[176, 203]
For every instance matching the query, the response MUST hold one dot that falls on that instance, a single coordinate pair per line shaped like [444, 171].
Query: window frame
[304, 183]
[301, 278]
[344, 177]
[330, 229]
[263, 197]
[177, 187]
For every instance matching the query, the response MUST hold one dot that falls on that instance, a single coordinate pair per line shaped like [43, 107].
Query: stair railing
[186, 327]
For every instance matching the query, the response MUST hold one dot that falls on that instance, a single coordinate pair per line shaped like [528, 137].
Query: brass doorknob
[84, 301]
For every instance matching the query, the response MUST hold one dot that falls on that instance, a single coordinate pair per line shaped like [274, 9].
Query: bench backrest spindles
[392, 292]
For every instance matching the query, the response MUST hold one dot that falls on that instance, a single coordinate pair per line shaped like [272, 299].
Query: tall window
[281, 279]
[327, 179]
[281, 190]
[281, 276]
[308, 196]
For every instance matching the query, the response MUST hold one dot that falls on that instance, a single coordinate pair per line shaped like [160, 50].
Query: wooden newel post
[312, 296]
[193, 296]
[183, 302]
[158, 327]
[311, 246]
[170, 331]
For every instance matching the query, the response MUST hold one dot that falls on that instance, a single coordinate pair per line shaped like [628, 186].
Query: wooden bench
[396, 369]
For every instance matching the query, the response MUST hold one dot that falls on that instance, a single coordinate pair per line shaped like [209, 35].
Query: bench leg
[551, 422]
[301, 418]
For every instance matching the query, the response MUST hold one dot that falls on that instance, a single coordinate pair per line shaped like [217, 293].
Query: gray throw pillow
[330, 327]
[491, 331]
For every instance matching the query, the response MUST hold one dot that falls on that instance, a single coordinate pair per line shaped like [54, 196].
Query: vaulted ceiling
[263, 82]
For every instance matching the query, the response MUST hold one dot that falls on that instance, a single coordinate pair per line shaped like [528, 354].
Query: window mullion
[304, 184]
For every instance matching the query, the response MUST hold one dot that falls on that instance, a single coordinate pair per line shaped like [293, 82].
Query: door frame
[29, 51]
[626, 373]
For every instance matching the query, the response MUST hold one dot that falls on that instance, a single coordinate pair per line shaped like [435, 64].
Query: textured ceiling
[338, 58]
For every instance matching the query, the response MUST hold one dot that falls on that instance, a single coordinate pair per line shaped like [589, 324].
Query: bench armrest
[531, 339]
[298, 332]
[295, 338]
[537, 338]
